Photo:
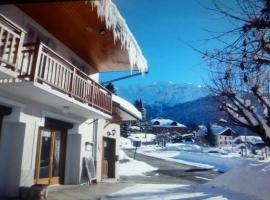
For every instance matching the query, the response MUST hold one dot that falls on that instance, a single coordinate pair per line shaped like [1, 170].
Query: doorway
[51, 150]
[109, 158]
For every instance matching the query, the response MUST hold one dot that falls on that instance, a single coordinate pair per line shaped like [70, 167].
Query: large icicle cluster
[107, 11]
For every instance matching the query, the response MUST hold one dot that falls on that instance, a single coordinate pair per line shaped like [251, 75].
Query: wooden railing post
[72, 81]
[36, 64]
[18, 58]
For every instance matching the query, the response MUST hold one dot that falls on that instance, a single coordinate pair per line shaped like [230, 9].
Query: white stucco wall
[223, 140]
[18, 144]
[19, 139]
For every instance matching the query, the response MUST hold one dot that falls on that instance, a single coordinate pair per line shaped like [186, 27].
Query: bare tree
[241, 69]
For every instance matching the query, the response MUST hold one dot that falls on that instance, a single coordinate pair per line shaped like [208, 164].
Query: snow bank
[131, 167]
[126, 143]
[183, 147]
[148, 137]
[252, 179]
[192, 154]
[220, 162]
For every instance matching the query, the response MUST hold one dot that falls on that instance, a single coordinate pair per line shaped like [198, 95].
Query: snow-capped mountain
[163, 93]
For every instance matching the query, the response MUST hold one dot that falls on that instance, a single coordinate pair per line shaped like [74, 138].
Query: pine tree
[111, 88]
[210, 136]
[138, 104]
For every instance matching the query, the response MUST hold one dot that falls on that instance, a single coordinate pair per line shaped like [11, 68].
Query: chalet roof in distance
[217, 130]
[159, 122]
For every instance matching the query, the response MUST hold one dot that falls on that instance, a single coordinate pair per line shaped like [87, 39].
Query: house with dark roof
[223, 135]
[160, 125]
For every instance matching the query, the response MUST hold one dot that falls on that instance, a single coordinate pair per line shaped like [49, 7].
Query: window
[174, 124]
[156, 123]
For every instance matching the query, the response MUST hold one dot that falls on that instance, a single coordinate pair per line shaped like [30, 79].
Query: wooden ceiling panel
[76, 24]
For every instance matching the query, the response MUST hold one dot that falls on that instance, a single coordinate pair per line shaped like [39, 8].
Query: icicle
[107, 11]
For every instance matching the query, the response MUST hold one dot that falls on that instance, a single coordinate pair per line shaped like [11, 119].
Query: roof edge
[108, 11]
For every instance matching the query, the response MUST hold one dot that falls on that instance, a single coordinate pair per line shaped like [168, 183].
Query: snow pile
[220, 162]
[143, 137]
[107, 11]
[249, 139]
[252, 179]
[192, 154]
[170, 155]
[131, 167]
[183, 147]
[172, 192]
[126, 143]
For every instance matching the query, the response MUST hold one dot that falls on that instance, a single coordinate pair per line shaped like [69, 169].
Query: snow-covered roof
[108, 11]
[130, 112]
[217, 130]
[249, 139]
[159, 122]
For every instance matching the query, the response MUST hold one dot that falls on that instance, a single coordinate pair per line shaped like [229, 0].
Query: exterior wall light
[112, 133]
[88, 146]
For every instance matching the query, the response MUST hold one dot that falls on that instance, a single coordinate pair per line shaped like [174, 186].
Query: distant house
[160, 125]
[252, 142]
[223, 135]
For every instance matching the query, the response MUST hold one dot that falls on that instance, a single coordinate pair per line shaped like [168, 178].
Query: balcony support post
[36, 64]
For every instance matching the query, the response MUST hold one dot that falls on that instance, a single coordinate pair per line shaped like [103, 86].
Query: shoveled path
[169, 172]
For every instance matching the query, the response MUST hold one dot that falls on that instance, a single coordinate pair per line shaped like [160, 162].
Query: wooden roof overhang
[80, 27]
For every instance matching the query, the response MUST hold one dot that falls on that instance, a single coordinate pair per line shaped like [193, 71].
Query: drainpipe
[95, 132]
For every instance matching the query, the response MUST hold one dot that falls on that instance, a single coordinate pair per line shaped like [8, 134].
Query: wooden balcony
[43, 65]
[11, 39]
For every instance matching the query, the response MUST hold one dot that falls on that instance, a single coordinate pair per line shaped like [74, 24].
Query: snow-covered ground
[143, 137]
[131, 167]
[172, 192]
[252, 179]
[190, 153]
[248, 179]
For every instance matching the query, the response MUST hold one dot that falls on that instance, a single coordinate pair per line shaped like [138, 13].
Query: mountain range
[186, 103]
[163, 93]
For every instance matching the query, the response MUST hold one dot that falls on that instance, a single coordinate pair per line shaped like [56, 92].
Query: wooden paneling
[76, 24]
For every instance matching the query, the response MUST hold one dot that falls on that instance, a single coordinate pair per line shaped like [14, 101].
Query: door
[50, 156]
[108, 161]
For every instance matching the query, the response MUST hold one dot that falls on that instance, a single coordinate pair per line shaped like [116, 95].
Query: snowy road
[169, 172]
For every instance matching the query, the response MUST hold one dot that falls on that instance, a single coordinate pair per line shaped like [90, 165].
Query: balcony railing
[11, 38]
[43, 65]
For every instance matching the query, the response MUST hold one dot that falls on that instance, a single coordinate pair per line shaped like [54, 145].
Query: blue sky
[162, 29]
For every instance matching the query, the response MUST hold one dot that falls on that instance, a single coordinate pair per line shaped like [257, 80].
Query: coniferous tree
[210, 136]
[111, 88]
[138, 104]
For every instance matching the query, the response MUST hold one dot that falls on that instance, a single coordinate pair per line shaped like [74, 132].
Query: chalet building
[223, 135]
[160, 125]
[53, 111]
